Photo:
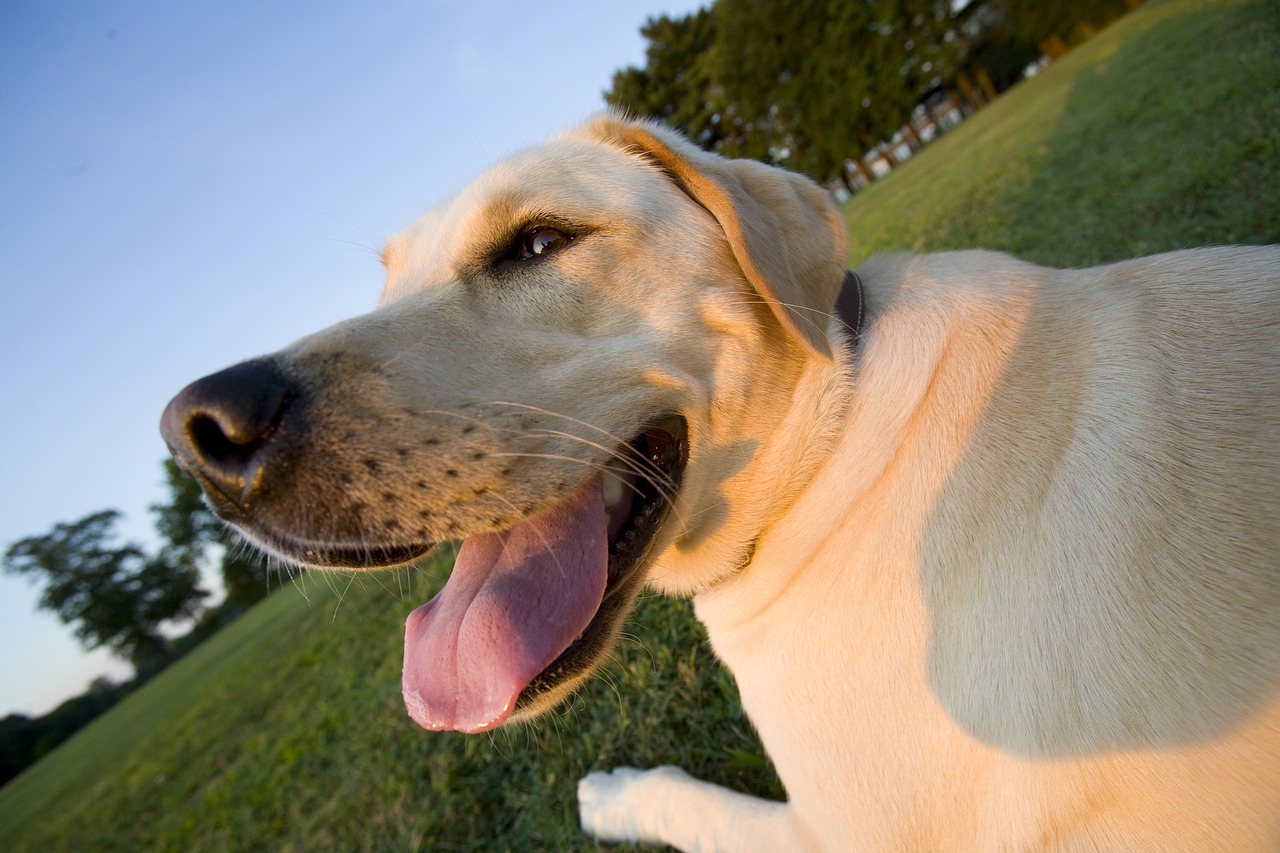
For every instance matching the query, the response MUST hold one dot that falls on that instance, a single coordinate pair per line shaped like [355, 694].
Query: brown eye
[540, 242]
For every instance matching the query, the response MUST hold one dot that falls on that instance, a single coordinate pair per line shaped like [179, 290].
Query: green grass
[286, 731]
[1161, 133]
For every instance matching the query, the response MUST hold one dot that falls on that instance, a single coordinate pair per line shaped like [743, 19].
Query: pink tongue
[514, 602]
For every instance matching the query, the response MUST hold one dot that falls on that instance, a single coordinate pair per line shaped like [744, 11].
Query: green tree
[675, 84]
[811, 83]
[1037, 20]
[118, 596]
[112, 596]
[806, 84]
[993, 44]
[24, 739]
[189, 530]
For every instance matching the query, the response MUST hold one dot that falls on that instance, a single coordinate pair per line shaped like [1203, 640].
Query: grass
[1161, 133]
[286, 731]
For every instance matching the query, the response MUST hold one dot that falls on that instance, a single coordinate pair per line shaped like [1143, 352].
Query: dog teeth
[612, 490]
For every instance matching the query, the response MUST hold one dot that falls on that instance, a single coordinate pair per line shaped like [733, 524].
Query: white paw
[600, 809]
[621, 805]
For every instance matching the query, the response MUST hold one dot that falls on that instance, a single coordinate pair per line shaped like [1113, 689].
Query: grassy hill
[1161, 133]
[286, 731]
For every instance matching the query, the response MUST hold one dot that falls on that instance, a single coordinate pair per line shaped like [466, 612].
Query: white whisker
[638, 465]
[343, 595]
[545, 544]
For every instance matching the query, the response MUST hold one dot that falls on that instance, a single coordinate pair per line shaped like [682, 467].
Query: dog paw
[601, 807]
[618, 805]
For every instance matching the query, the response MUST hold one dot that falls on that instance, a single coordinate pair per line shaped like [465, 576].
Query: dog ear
[782, 227]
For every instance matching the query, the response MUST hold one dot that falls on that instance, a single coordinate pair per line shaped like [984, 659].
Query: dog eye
[540, 242]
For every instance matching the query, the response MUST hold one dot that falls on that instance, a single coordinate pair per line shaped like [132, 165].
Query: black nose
[218, 427]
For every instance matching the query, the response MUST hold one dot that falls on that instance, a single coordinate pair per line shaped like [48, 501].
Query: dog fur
[1003, 573]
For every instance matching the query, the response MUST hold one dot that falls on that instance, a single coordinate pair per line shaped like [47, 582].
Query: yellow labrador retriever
[993, 550]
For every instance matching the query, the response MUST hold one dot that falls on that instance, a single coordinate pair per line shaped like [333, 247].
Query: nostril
[219, 427]
[208, 437]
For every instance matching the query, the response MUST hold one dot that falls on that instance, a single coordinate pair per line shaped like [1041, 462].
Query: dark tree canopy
[803, 83]
[189, 530]
[819, 81]
[24, 739]
[113, 596]
[185, 524]
[810, 84]
[118, 596]
[993, 44]
[675, 84]
[1036, 20]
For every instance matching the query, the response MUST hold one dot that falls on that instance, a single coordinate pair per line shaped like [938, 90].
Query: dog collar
[851, 305]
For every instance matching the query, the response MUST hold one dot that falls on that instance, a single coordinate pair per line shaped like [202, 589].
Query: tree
[1038, 20]
[675, 84]
[185, 524]
[118, 596]
[112, 596]
[806, 84]
[189, 530]
[812, 83]
[993, 45]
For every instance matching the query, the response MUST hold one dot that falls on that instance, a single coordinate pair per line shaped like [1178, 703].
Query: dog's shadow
[1105, 597]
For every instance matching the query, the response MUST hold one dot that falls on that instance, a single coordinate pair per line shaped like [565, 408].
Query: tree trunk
[1052, 47]
[913, 137]
[984, 80]
[861, 168]
[971, 95]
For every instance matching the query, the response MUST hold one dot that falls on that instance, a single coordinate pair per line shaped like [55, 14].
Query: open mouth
[528, 612]
[645, 494]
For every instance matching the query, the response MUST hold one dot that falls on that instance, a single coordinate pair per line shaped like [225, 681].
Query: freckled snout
[219, 428]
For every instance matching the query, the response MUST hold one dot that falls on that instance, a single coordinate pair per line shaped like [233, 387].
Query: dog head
[578, 366]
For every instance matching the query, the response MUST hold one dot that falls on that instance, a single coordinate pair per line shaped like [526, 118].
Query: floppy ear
[783, 230]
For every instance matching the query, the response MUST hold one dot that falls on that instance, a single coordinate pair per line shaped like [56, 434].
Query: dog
[992, 550]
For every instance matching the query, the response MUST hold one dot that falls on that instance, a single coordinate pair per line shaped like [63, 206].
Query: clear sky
[184, 185]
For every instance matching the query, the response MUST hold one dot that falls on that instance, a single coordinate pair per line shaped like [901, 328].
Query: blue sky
[184, 185]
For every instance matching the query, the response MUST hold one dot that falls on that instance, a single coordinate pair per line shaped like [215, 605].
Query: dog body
[1031, 600]
[1001, 571]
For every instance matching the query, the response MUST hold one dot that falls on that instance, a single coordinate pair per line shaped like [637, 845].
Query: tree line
[119, 597]
[814, 84]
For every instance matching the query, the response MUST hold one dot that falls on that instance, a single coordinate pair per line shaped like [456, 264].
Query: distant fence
[938, 113]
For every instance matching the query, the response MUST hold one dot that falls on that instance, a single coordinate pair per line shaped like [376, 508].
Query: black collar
[851, 306]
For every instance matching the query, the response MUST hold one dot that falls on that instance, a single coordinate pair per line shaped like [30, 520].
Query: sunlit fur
[1028, 596]
[1006, 576]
